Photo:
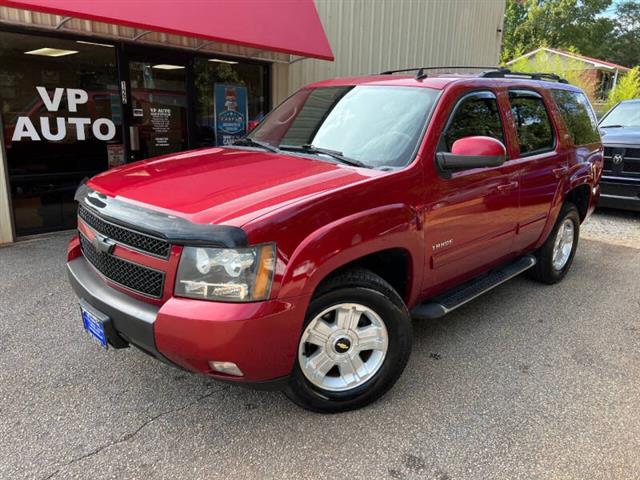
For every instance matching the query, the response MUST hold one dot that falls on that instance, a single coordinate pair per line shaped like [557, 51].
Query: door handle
[559, 172]
[508, 187]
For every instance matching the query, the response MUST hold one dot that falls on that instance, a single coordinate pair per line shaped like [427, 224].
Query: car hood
[224, 185]
[623, 135]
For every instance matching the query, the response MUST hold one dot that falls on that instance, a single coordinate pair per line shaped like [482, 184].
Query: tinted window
[379, 126]
[476, 115]
[578, 116]
[62, 116]
[535, 132]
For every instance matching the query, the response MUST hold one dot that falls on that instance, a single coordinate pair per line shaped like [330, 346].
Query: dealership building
[89, 85]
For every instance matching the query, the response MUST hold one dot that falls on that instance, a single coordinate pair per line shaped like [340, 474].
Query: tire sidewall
[571, 213]
[398, 325]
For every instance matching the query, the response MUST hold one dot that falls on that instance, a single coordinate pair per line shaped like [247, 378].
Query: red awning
[287, 26]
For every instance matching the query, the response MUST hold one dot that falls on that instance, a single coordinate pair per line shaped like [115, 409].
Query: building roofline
[576, 56]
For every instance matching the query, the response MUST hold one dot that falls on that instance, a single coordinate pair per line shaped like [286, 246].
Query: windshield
[624, 115]
[373, 126]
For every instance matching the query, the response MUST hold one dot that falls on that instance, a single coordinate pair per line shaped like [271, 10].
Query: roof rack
[420, 75]
[506, 73]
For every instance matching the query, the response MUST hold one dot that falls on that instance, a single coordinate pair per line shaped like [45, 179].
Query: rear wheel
[555, 257]
[354, 345]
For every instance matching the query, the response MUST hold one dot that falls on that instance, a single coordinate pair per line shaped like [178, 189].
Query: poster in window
[230, 112]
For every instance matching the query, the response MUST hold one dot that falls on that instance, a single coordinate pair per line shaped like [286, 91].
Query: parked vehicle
[620, 129]
[296, 258]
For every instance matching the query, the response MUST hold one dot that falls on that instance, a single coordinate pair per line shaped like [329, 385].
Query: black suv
[620, 184]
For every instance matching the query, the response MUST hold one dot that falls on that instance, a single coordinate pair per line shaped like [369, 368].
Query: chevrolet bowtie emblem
[103, 244]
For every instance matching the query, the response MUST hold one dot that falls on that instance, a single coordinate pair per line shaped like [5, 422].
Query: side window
[535, 132]
[476, 114]
[578, 116]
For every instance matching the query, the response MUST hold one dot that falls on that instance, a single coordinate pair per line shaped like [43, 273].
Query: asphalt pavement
[526, 382]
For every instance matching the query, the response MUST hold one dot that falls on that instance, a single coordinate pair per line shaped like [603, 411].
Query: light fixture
[167, 66]
[94, 43]
[51, 52]
[218, 60]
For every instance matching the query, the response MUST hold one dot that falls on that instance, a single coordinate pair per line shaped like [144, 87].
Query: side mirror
[473, 152]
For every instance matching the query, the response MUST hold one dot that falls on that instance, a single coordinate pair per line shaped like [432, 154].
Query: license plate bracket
[93, 322]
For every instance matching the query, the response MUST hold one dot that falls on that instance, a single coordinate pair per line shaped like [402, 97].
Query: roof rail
[506, 73]
[420, 70]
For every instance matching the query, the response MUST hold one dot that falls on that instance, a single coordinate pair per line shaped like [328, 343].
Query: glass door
[158, 111]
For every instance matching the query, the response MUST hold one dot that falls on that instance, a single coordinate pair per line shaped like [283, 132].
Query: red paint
[323, 216]
[479, 146]
[281, 26]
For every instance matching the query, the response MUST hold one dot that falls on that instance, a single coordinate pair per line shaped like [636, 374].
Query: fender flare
[350, 238]
[579, 175]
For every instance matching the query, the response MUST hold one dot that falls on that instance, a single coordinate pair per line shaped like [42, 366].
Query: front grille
[139, 241]
[130, 275]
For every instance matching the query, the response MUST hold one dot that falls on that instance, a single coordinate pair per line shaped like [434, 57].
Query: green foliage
[569, 68]
[625, 50]
[566, 24]
[577, 25]
[628, 87]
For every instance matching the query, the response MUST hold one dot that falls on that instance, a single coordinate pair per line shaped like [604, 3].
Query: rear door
[542, 160]
[471, 223]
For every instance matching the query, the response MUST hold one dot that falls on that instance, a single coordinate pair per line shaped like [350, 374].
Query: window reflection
[49, 133]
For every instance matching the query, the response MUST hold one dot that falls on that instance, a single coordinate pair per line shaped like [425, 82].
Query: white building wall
[370, 36]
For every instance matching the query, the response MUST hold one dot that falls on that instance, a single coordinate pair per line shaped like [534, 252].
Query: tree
[568, 24]
[625, 49]
[628, 87]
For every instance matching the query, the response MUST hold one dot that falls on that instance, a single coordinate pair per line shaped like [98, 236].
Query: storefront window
[62, 118]
[235, 79]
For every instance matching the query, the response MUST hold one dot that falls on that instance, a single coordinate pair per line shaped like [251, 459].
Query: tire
[371, 308]
[545, 270]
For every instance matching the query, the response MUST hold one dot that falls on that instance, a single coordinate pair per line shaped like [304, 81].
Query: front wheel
[355, 343]
[555, 257]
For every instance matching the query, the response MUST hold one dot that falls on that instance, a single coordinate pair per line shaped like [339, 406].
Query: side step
[439, 306]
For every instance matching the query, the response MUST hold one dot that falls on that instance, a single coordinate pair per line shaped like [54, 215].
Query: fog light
[229, 368]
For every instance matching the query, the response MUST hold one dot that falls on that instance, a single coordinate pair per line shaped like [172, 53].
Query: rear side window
[578, 116]
[476, 115]
[535, 132]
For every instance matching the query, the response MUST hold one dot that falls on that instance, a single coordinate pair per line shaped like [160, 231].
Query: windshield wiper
[611, 126]
[308, 148]
[250, 142]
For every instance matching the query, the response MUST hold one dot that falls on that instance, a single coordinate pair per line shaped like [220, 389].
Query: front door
[471, 224]
[158, 111]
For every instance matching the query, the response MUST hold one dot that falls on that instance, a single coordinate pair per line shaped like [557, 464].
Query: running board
[439, 306]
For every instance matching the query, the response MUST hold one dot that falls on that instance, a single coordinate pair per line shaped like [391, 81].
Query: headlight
[226, 274]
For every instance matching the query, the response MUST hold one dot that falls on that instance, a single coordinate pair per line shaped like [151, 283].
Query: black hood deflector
[175, 230]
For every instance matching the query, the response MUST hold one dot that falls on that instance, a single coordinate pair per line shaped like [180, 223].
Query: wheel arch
[376, 239]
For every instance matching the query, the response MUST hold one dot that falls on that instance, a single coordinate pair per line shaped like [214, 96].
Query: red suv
[296, 258]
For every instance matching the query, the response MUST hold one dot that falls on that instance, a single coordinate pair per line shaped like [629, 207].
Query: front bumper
[260, 338]
[618, 192]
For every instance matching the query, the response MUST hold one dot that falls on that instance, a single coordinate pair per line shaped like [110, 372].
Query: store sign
[102, 128]
[230, 112]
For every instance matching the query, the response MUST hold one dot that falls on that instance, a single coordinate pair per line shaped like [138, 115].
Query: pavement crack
[129, 435]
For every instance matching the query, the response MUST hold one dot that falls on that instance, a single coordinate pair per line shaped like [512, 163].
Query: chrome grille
[135, 277]
[137, 240]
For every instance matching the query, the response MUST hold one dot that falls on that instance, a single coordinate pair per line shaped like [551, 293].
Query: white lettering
[52, 105]
[46, 129]
[80, 123]
[97, 132]
[75, 97]
[24, 128]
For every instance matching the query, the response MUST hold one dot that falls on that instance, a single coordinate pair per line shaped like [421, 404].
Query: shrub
[628, 87]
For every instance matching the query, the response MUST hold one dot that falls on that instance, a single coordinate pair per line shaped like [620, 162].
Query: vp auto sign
[102, 128]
